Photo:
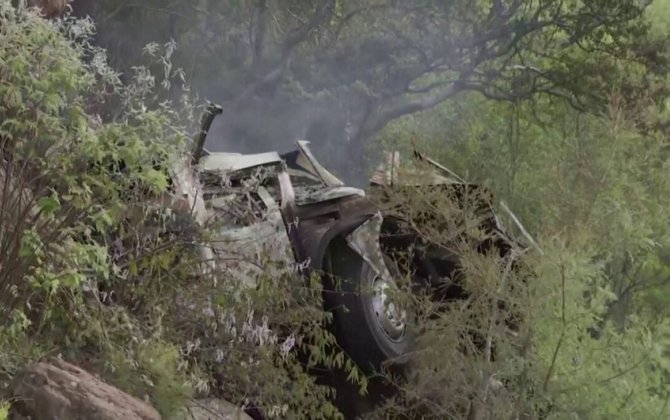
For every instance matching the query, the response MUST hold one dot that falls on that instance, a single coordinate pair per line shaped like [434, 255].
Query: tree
[337, 72]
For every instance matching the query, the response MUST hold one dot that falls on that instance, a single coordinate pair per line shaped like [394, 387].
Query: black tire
[357, 328]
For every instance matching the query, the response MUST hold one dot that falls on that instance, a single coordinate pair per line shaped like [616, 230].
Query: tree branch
[409, 107]
[344, 20]
[298, 35]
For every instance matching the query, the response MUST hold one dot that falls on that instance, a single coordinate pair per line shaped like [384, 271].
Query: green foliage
[584, 346]
[4, 410]
[93, 267]
[97, 268]
[53, 191]
[617, 375]
[377, 46]
[594, 191]
[258, 345]
[61, 191]
[473, 340]
[151, 367]
[338, 72]
[659, 15]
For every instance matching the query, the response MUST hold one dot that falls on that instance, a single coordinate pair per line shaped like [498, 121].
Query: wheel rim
[390, 318]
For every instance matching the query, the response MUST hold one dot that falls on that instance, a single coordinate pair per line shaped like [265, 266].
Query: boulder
[61, 391]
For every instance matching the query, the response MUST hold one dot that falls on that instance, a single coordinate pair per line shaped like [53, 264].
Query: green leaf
[73, 280]
[132, 267]
[30, 245]
[12, 97]
[49, 205]
[4, 410]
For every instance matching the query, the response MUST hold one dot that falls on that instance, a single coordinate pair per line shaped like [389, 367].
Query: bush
[594, 189]
[62, 191]
[92, 266]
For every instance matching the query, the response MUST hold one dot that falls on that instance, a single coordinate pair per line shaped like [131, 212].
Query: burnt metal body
[296, 211]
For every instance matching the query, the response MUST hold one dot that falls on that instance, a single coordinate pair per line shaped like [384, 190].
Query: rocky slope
[57, 390]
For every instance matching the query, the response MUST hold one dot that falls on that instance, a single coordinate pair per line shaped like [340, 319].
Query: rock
[61, 391]
[214, 409]
[50, 8]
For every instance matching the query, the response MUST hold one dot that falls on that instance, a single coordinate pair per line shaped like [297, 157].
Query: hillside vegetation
[570, 129]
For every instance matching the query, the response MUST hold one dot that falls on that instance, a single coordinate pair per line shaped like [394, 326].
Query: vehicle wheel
[369, 327]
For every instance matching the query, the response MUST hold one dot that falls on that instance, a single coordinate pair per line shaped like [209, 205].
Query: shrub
[590, 346]
[61, 192]
[93, 267]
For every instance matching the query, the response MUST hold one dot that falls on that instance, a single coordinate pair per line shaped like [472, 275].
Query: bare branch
[298, 35]
[409, 107]
[344, 20]
[430, 87]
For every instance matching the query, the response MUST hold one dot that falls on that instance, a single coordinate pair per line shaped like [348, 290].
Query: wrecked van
[289, 210]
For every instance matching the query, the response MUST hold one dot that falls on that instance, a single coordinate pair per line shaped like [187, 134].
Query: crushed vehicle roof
[230, 162]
